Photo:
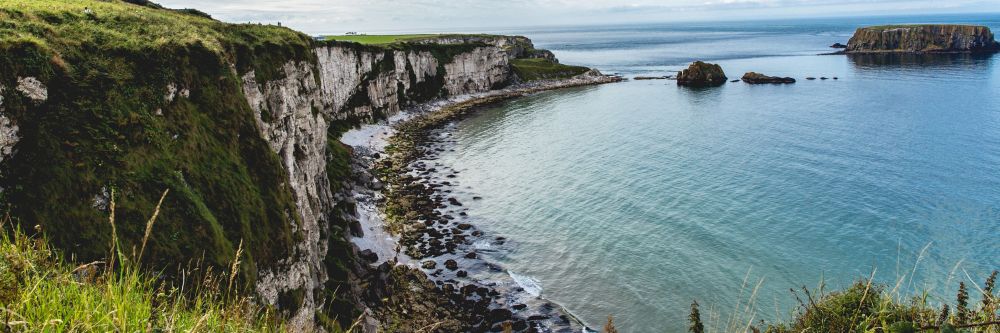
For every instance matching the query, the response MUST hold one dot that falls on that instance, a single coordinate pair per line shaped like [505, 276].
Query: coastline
[404, 220]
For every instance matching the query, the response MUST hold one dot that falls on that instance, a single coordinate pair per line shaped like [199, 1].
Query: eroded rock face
[8, 132]
[758, 78]
[480, 70]
[294, 114]
[925, 38]
[702, 74]
[32, 88]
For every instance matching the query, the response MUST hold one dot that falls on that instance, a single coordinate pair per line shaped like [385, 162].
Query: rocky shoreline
[407, 223]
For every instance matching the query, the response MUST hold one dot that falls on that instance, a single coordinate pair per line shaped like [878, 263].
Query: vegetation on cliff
[543, 69]
[141, 100]
[138, 100]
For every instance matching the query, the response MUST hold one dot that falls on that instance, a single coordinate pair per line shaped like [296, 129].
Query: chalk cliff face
[927, 38]
[347, 82]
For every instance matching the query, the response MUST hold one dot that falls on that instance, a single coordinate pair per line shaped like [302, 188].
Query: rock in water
[838, 46]
[923, 38]
[701, 74]
[758, 78]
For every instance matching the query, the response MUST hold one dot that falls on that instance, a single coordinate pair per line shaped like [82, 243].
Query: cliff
[108, 100]
[926, 38]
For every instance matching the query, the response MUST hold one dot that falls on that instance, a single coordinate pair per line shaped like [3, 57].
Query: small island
[922, 38]
[702, 74]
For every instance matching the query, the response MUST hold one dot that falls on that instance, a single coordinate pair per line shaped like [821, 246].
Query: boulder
[702, 74]
[923, 38]
[838, 46]
[758, 78]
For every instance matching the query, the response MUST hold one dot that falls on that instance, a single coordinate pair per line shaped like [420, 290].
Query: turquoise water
[633, 199]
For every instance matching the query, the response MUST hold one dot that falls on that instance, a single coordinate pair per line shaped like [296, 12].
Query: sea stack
[923, 38]
[701, 74]
[758, 78]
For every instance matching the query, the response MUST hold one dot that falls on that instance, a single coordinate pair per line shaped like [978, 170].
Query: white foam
[529, 284]
[482, 245]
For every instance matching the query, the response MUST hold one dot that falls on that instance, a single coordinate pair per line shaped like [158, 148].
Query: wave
[530, 285]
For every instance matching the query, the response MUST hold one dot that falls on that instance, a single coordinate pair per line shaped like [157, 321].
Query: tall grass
[41, 291]
[865, 306]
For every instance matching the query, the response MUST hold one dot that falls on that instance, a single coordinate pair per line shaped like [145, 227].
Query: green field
[378, 39]
[542, 69]
[391, 39]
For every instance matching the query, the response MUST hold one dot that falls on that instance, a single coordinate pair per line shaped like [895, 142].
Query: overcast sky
[372, 16]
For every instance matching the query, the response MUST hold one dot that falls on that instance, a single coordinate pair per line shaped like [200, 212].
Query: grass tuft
[41, 291]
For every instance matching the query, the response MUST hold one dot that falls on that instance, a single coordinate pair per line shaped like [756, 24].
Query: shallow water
[633, 199]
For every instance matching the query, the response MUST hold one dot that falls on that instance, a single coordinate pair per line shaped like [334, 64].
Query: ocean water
[634, 199]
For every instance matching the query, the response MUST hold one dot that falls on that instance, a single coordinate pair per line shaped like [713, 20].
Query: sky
[319, 17]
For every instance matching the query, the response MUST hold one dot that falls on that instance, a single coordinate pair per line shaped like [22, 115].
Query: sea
[636, 199]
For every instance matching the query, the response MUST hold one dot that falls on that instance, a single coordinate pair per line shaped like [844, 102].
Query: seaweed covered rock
[702, 74]
[923, 38]
[758, 78]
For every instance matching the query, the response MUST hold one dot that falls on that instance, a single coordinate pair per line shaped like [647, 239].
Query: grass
[898, 26]
[394, 39]
[542, 69]
[378, 39]
[865, 306]
[41, 291]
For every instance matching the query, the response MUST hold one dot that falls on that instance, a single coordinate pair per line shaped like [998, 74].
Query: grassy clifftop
[140, 100]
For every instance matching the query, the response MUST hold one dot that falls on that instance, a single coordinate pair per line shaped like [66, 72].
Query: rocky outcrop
[758, 78]
[517, 47]
[925, 38]
[838, 46]
[35, 91]
[701, 74]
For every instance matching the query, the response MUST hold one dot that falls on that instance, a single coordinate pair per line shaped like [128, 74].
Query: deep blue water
[633, 199]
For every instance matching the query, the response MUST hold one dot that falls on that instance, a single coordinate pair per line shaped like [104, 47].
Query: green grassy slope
[541, 69]
[107, 124]
[393, 39]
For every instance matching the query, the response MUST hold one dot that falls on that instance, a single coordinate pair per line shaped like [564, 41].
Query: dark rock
[430, 264]
[471, 255]
[520, 325]
[499, 315]
[810, 78]
[702, 74]
[838, 46]
[451, 264]
[462, 274]
[519, 307]
[368, 255]
[823, 78]
[538, 317]
[734, 81]
[477, 198]
[641, 78]
[758, 78]
[356, 229]
[454, 201]
[464, 226]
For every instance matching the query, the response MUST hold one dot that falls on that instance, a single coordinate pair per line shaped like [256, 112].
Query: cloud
[337, 16]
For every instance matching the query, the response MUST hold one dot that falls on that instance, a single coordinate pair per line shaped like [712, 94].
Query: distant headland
[922, 38]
